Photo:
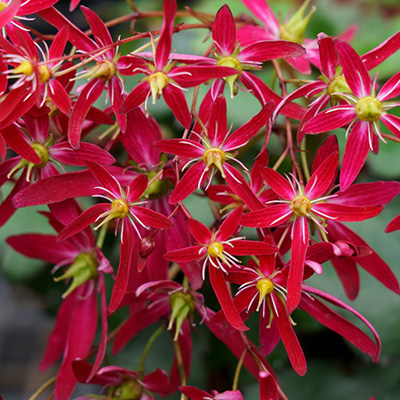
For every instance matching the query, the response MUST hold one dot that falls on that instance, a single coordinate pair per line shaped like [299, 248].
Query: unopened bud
[146, 247]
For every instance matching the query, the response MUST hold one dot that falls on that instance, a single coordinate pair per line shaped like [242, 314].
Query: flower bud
[146, 247]
[181, 305]
[81, 270]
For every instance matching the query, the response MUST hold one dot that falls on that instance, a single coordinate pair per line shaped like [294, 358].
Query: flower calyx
[214, 157]
[336, 86]
[81, 270]
[182, 306]
[369, 108]
[119, 209]
[264, 287]
[42, 151]
[127, 390]
[157, 81]
[294, 30]
[231, 62]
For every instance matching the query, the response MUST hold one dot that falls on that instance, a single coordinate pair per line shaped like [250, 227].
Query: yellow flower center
[25, 68]
[3, 5]
[104, 69]
[157, 81]
[214, 157]
[264, 287]
[231, 62]
[301, 206]
[369, 108]
[119, 208]
[44, 73]
[215, 249]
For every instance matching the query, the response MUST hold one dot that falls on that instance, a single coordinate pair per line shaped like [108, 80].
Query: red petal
[333, 118]
[270, 49]
[337, 323]
[56, 188]
[299, 247]
[322, 179]
[328, 55]
[241, 188]
[225, 300]
[199, 231]
[18, 141]
[242, 135]
[217, 125]
[181, 147]
[392, 122]
[194, 75]
[367, 194]
[250, 247]
[289, 338]
[268, 387]
[192, 179]
[394, 225]
[105, 179]
[164, 44]
[135, 98]
[347, 271]
[9, 12]
[184, 255]
[176, 101]
[354, 70]
[136, 188]
[267, 217]
[59, 96]
[85, 219]
[341, 212]
[355, 153]
[88, 96]
[229, 226]
[151, 218]
[224, 31]
[122, 278]
[278, 183]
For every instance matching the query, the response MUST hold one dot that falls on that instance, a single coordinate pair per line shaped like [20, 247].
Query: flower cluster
[102, 141]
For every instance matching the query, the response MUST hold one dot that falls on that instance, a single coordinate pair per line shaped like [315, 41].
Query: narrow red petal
[224, 31]
[299, 247]
[225, 300]
[289, 338]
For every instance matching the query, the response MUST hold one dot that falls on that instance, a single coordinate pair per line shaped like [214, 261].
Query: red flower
[217, 249]
[213, 151]
[363, 112]
[298, 205]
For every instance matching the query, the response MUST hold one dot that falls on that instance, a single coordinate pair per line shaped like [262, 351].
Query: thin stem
[148, 346]
[42, 388]
[102, 236]
[390, 137]
[280, 159]
[238, 369]
[303, 156]
[181, 368]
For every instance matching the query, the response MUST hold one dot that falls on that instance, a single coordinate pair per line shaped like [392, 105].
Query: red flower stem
[390, 137]
[260, 361]
[289, 135]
